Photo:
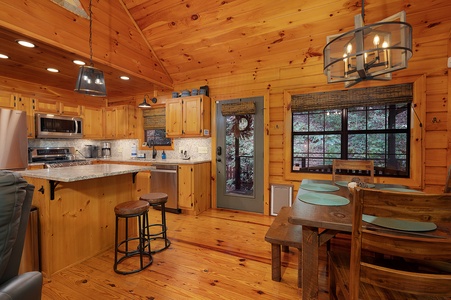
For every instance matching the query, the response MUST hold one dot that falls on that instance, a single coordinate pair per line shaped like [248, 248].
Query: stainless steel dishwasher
[163, 179]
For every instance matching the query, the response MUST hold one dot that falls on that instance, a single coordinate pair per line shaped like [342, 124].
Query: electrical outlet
[119, 150]
[202, 150]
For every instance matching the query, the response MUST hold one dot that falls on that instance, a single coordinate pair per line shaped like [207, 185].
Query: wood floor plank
[219, 254]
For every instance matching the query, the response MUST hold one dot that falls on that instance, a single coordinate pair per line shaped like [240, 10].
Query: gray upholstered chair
[15, 202]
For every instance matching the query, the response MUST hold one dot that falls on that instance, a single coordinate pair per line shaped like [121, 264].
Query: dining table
[323, 208]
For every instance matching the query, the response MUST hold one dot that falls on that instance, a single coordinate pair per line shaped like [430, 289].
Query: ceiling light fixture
[90, 80]
[53, 70]
[144, 104]
[369, 51]
[79, 62]
[125, 77]
[25, 44]
[4, 56]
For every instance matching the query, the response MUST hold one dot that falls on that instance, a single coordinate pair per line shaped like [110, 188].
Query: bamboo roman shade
[154, 118]
[242, 108]
[373, 96]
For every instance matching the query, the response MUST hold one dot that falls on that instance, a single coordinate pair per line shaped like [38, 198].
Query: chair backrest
[346, 170]
[448, 181]
[416, 248]
[15, 203]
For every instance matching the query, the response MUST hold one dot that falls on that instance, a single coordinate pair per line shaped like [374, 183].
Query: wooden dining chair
[346, 170]
[448, 181]
[389, 264]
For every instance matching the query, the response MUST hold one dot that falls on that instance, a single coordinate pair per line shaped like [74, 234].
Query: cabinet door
[174, 115]
[122, 122]
[27, 105]
[7, 100]
[185, 183]
[70, 109]
[110, 123]
[192, 112]
[48, 106]
[92, 122]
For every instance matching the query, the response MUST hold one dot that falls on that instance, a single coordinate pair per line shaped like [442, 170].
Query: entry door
[239, 154]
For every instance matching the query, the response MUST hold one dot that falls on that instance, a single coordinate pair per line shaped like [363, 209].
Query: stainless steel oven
[52, 126]
[163, 179]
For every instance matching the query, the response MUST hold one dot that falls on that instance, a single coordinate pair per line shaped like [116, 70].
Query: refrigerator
[13, 140]
[14, 157]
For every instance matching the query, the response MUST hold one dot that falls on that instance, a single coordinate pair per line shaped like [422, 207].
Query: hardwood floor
[219, 254]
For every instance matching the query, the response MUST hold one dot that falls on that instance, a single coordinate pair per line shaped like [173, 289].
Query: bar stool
[158, 200]
[132, 209]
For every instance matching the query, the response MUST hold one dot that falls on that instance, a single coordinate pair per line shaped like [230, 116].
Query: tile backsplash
[121, 149]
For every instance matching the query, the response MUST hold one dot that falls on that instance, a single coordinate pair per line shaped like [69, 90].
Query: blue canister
[185, 93]
[203, 91]
[194, 92]
[175, 95]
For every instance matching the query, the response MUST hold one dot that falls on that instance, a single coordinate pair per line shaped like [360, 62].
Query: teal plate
[401, 190]
[323, 199]
[345, 184]
[319, 187]
[399, 224]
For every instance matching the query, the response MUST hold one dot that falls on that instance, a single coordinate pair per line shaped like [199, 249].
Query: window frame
[415, 179]
[344, 133]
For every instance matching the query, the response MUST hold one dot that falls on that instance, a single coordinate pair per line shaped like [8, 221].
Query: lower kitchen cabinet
[194, 188]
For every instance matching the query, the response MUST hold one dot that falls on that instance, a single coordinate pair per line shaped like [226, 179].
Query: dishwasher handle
[157, 170]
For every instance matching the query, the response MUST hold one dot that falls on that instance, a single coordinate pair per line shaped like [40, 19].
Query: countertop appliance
[13, 140]
[163, 179]
[51, 126]
[106, 150]
[56, 157]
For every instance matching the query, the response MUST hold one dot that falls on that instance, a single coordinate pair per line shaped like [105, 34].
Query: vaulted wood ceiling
[162, 42]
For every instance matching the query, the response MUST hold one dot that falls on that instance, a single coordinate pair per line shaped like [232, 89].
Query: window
[373, 129]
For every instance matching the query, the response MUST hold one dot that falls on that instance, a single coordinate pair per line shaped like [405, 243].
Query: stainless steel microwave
[62, 127]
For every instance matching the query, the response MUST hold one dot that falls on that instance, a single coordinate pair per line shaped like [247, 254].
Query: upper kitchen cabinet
[6, 100]
[188, 117]
[120, 122]
[57, 107]
[28, 105]
[93, 122]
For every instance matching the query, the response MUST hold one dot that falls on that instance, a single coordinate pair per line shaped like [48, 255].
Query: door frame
[266, 130]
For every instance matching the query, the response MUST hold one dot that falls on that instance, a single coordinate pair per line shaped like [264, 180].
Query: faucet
[154, 152]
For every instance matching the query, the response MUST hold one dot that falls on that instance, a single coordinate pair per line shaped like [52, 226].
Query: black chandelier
[369, 51]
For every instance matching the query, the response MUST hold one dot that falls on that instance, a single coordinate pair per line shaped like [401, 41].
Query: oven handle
[76, 126]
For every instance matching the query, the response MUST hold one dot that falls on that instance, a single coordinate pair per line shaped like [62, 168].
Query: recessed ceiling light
[53, 70]
[4, 56]
[25, 44]
[79, 62]
[125, 77]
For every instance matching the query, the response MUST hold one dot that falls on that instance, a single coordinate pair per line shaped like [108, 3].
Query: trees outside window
[379, 133]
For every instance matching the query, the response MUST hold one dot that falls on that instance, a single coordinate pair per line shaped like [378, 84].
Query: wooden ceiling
[159, 43]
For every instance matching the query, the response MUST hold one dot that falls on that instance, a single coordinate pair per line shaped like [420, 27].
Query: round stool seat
[131, 208]
[155, 198]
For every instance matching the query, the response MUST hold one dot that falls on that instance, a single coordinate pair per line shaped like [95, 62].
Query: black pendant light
[90, 80]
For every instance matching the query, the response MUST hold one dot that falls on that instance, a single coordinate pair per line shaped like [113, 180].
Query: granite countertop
[76, 173]
[172, 161]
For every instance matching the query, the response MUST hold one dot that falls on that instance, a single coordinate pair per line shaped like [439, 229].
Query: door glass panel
[240, 155]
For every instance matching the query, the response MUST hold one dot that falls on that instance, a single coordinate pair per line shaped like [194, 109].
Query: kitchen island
[76, 210]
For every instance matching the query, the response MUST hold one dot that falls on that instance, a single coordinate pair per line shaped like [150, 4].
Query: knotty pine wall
[432, 47]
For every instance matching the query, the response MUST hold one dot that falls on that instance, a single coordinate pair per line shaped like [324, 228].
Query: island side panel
[80, 222]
